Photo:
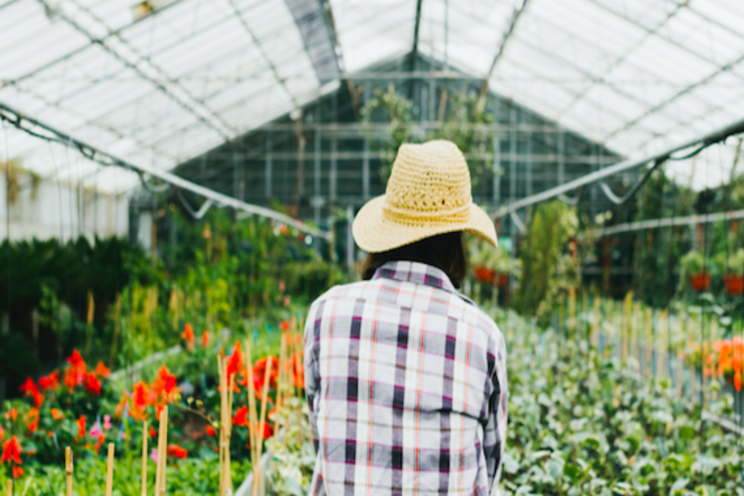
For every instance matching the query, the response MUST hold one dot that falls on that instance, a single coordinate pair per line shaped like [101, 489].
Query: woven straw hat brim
[374, 232]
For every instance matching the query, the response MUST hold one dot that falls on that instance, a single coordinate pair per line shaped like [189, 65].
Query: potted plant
[492, 266]
[697, 269]
[733, 269]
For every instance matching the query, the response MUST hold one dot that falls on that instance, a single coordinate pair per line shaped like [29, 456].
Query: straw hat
[428, 193]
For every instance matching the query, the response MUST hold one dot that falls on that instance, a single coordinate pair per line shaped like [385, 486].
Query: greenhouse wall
[46, 209]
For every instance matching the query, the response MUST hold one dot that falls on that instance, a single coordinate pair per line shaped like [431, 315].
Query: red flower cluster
[162, 391]
[50, 382]
[235, 365]
[241, 417]
[177, 451]
[12, 451]
[81, 426]
[75, 372]
[29, 388]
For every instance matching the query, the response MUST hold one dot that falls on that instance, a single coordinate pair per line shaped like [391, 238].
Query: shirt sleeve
[311, 375]
[494, 441]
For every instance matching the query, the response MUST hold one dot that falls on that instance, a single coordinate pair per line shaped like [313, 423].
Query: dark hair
[444, 251]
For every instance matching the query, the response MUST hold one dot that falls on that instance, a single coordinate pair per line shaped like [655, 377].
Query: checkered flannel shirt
[406, 383]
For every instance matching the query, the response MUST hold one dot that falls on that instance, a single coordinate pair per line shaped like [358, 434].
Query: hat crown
[429, 179]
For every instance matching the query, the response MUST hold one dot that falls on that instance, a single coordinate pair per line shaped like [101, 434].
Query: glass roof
[162, 81]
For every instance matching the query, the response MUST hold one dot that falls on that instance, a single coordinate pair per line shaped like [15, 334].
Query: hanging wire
[617, 200]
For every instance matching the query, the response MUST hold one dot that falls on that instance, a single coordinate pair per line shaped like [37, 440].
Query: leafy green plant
[732, 264]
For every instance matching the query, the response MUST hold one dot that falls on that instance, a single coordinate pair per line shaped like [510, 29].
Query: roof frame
[123, 52]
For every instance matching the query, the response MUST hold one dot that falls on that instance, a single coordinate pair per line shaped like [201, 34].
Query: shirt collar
[415, 272]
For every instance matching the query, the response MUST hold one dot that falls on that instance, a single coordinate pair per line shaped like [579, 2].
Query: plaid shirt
[406, 383]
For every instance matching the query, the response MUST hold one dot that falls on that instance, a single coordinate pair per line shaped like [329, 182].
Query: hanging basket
[700, 282]
[484, 274]
[734, 284]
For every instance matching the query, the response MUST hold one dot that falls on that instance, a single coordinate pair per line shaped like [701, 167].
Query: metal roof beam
[174, 180]
[97, 32]
[500, 51]
[416, 27]
[627, 165]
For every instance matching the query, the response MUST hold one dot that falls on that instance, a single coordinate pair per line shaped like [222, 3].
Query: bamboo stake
[663, 358]
[110, 470]
[680, 351]
[68, 469]
[572, 309]
[648, 348]
[163, 459]
[626, 327]
[9, 487]
[144, 458]
[223, 409]
[595, 323]
[262, 425]
[253, 427]
[228, 434]
[89, 321]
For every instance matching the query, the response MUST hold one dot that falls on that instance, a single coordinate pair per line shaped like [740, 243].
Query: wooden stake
[144, 458]
[253, 427]
[163, 459]
[595, 323]
[110, 470]
[223, 423]
[262, 425]
[68, 469]
[228, 435]
[9, 487]
[572, 309]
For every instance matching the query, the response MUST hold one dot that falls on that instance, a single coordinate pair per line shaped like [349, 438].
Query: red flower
[102, 370]
[17, 472]
[164, 386]
[240, 418]
[12, 414]
[2, 432]
[205, 339]
[75, 372]
[284, 325]
[188, 336]
[81, 426]
[57, 414]
[177, 451]
[153, 432]
[92, 383]
[50, 381]
[259, 371]
[30, 389]
[210, 430]
[11, 451]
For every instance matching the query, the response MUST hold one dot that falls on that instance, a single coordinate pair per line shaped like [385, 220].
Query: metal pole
[349, 240]
[496, 171]
[269, 166]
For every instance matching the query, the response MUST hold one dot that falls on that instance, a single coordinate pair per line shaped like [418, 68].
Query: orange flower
[2, 432]
[11, 451]
[188, 336]
[50, 382]
[284, 325]
[259, 371]
[57, 414]
[92, 383]
[12, 414]
[33, 420]
[205, 339]
[240, 418]
[177, 451]
[210, 430]
[81, 426]
[17, 472]
[102, 370]
[153, 432]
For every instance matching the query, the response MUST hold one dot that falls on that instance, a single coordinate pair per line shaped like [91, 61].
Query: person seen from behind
[406, 377]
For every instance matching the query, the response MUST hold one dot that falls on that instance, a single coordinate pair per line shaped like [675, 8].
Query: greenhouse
[206, 206]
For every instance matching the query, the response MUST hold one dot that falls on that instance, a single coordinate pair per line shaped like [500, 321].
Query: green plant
[733, 264]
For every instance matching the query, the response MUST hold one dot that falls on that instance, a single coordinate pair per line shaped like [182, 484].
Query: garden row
[579, 422]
